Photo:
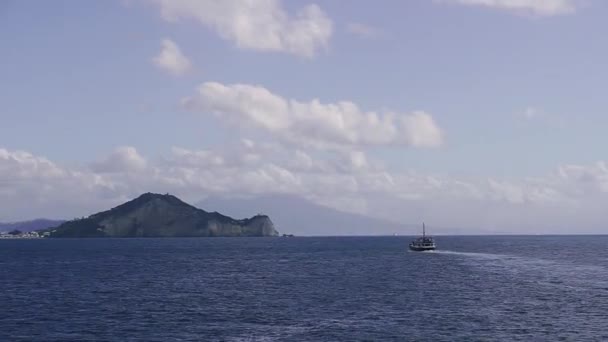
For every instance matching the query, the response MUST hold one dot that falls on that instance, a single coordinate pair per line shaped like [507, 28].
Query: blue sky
[507, 92]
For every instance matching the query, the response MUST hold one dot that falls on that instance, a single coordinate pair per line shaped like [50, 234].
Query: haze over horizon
[486, 115]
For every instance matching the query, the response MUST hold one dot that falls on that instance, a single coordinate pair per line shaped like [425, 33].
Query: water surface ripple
[305, 289]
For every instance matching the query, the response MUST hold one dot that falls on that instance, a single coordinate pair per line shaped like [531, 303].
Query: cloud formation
[363, 31]
[257, 25]
[531, 113]
[32, 186]
[534, 7]
[122, 159]
[312, 123]
[171, 59]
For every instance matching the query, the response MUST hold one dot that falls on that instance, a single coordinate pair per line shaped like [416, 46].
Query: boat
[423, 243]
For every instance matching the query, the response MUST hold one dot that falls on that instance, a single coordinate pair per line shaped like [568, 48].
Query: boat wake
[473, 254]
[551, 273]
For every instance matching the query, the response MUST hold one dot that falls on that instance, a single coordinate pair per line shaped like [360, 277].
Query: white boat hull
[422, 248]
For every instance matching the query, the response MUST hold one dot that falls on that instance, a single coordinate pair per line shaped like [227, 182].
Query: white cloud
[572, 196]
[257, 24]
[21, 164]
[532, 113]
[539, 115]
[358, 160]
[534, 7]
[364, 31]
[171, 59]
[302, 161]
[584, 180]
[33, 186]
[123, 159]
[313, 124]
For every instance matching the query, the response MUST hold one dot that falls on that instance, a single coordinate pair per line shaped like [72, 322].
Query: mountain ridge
[156, 215]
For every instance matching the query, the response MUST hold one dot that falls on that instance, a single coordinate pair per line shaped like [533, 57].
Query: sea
[473, 288]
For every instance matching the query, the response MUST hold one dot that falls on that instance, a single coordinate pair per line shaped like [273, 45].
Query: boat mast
[423, 230]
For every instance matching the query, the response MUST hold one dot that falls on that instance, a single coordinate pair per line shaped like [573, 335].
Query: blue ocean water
[475, 288]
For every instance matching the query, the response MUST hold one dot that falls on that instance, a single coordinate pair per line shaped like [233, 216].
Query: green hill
[155, 215]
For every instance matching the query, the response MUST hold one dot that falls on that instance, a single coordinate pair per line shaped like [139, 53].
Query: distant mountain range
[28, 226]
[155, 215]
[299, 216]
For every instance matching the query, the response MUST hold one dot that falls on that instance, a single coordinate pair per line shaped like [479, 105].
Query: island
[156, 215]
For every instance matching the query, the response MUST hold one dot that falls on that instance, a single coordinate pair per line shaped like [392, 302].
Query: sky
[472, 114]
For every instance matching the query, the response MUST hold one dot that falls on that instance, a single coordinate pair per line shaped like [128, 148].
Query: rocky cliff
[154, 215]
